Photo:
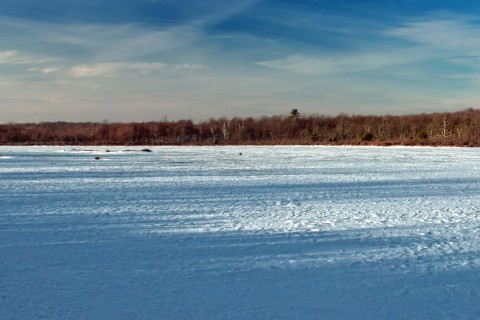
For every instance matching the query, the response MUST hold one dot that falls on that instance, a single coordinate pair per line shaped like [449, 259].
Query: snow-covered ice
[239, 233]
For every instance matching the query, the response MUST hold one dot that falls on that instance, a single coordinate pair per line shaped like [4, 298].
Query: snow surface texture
[239, 233]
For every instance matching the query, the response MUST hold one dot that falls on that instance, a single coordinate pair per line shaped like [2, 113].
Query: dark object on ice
[240, 153]
[146, 150]
[98, 158]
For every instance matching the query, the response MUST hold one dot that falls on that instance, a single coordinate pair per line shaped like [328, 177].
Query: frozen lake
[239, 233]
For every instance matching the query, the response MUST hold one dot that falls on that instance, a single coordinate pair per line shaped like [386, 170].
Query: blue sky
[141, 60]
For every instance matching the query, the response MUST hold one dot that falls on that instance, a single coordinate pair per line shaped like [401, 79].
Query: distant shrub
[422, 134]
[367, 136]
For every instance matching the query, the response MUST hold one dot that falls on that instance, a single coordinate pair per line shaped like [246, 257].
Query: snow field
[207, 233]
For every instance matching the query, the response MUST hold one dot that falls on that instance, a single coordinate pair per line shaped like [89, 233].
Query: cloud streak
[451, 33]
[439, 39]
[45, 70]
[95, 42]
[114, 69]
[13, 57]
[348, 63]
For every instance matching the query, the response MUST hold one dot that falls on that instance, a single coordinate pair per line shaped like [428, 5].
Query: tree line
[460, 128]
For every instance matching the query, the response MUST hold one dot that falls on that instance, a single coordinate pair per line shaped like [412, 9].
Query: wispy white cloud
[451, 38]
[444, 39]
[113, 69]
[189, 66]
[48, 70]
[101, 69]
[8, 56]
[95, 42]
[131, 41]
[98, 50]
[45, 70]
[348, 62]
[225, 10]
[17, 57]
[135, 43]
[459, 33]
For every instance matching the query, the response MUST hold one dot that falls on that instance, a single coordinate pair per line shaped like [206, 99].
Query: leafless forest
[460, 128]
